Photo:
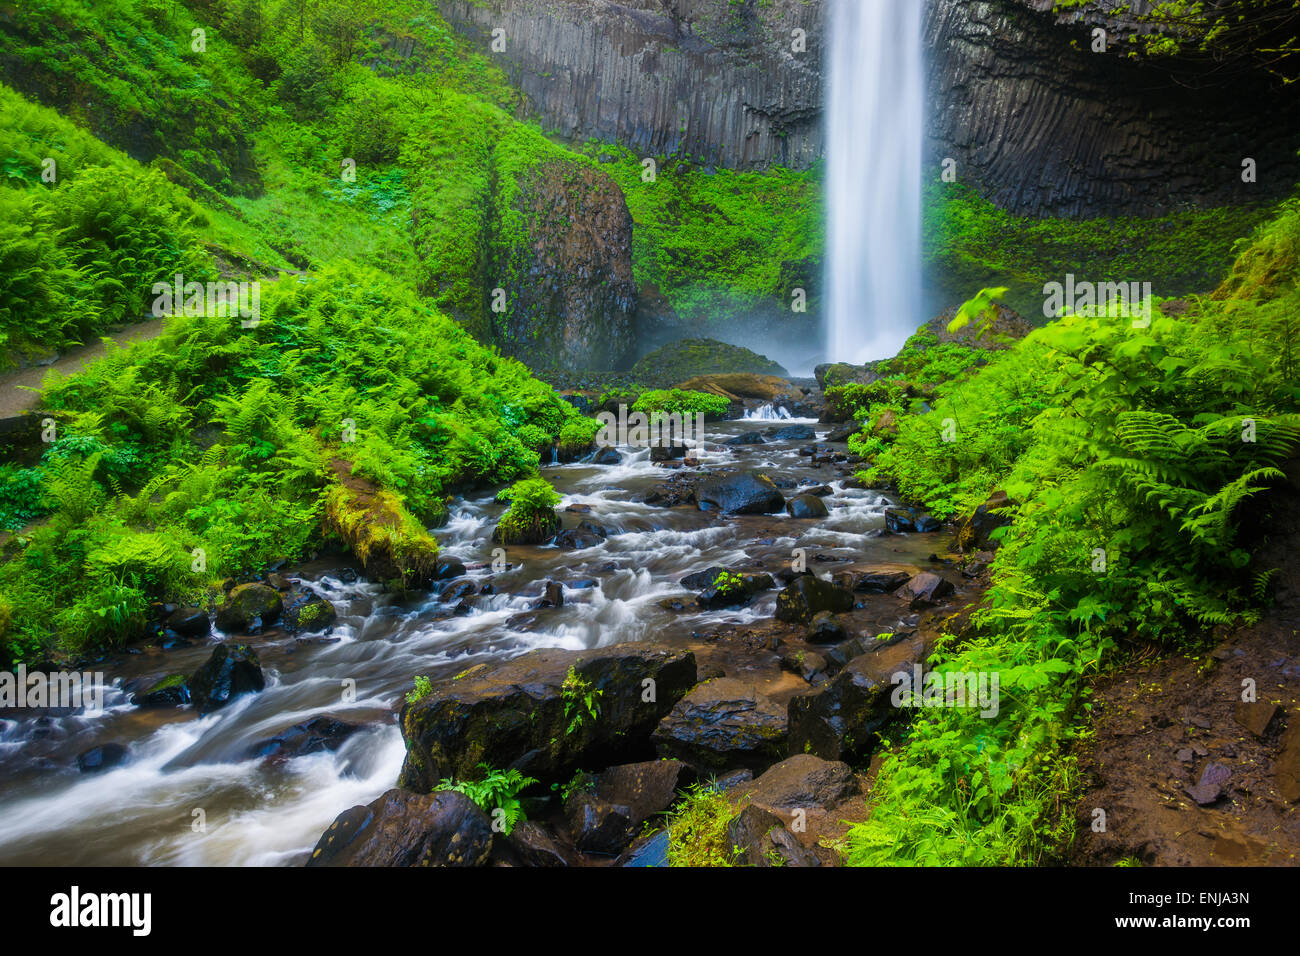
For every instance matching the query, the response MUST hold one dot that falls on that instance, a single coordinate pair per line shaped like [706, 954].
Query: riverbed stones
[723, 724]
[188, 622]
[746, 438]
[514, 714]
[745, 493]
[408, 829]
[806, 506]
[231, 670]
[807, 596]
[794, 433]
[246, 604]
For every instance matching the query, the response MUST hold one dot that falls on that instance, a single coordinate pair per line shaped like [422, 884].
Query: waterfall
[873, 180]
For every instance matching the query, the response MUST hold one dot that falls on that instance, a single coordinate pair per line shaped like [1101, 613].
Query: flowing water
[190, 793]
[873, 178]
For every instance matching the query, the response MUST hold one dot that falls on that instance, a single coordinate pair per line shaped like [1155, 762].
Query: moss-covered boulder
[172, 691]
[691, 358]
[246, 604]
[531, 518]
[390, 543]
[548, 712]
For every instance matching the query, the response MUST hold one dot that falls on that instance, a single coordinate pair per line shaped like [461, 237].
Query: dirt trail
[1187, 773]
[15, 399]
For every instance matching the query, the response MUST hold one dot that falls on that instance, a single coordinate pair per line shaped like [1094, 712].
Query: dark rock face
[533, 846]
[876, 579]
[233, 669]
[569, 283]
[746, 493]
[248, 603]
[975, 532]
[408, 829]
[1042, 127]
[723, 724]
[714, 80]
[188, 621]
[512, 714]
[734, 595]
[794, 433]
[807, 596]
[605, 817]
[925, 590]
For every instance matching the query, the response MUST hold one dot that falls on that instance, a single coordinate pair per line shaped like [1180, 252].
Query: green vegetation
[697, 829]
[679, 361]
[1132, 456]
[423, 688]
[581, 700]
[970, 243]
[531, 518]
[719, 243]
[677, 401]
[497, 794]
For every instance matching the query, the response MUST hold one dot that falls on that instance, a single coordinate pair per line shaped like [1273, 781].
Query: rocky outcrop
[518, 713]
[568, 275]
[1035, 120]
[408, 829]
[701, 78]
[1041, 125]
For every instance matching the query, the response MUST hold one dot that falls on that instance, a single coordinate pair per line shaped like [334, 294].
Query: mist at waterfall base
[873, 117]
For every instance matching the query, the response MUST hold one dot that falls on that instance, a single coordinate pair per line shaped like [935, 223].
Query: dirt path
[1187, 773]
[15, 397]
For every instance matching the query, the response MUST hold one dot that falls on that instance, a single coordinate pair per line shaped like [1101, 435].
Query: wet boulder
[605, 455]
[599, 826]
[516, 713]
[842, 719]
[103, 757]
[826, 629]
[745, 493]
[313, 614]
[899, 521]
[457, 590]
[408, 829]
[733, 590]
[794, 433]
[172, 691]
[323, 733]
[576, 539]
[747, 438]
[233, 669]
[876, 578]
[189, 622]
[807, 596]
[531, 845]
[667, 452]
[448, 567]
[925, 590]
[806, 506]
[723, 724]
[648, 850]
[247, 604]
[763, 840]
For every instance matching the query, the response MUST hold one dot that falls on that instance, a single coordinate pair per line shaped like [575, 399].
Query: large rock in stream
[748, 493]
[513, 713]
[408, 829]
[724, 724]
[233, 669]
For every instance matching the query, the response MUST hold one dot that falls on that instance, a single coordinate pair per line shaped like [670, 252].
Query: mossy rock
[246, 603]
[315, 614]
[390, 544]
[690, 358]
[536, 526]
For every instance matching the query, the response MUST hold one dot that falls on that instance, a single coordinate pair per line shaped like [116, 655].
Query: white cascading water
[873, 127]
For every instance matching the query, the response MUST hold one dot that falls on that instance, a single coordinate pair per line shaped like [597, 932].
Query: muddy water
[189, 791]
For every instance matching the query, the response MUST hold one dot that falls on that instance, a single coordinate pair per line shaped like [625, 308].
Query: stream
[191, 793]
